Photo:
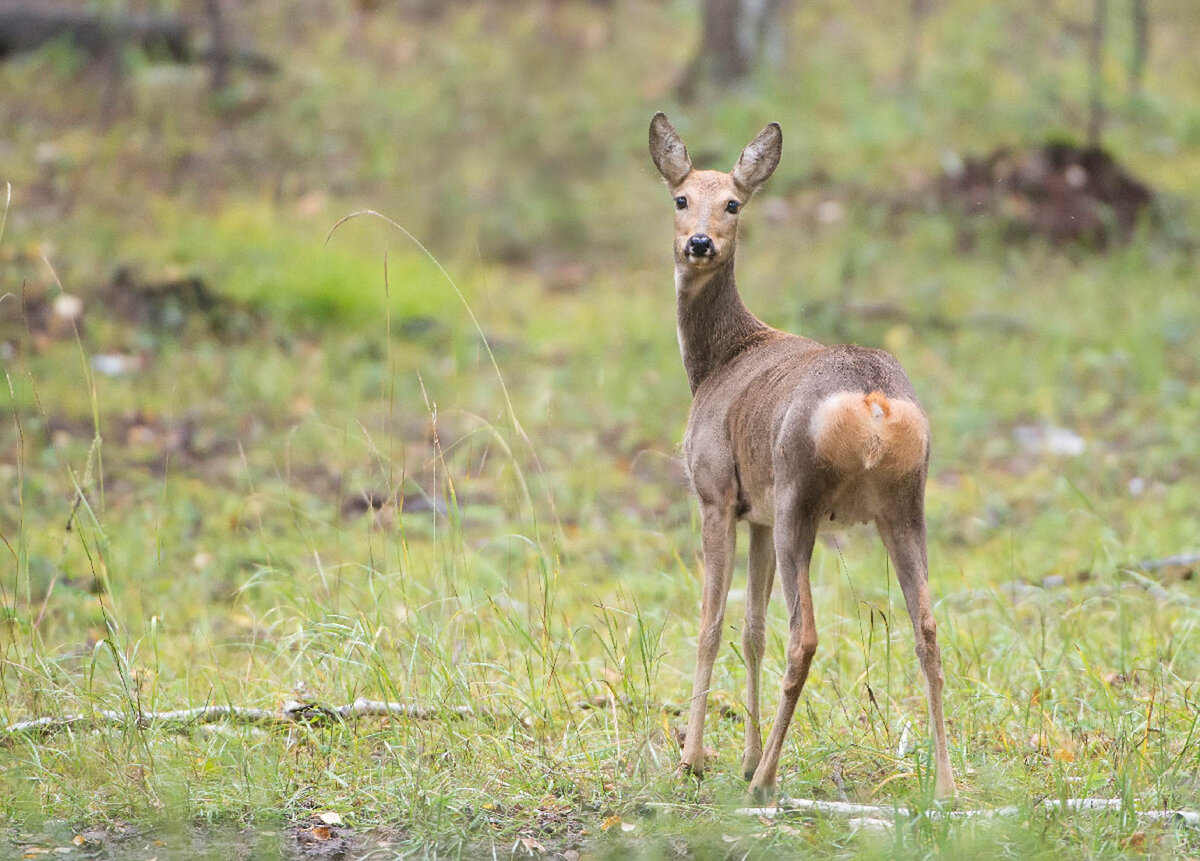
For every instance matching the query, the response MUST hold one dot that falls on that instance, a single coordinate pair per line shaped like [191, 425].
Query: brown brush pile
[1058, 191]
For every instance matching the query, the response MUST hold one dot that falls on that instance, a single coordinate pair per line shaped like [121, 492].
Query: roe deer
[784, 433]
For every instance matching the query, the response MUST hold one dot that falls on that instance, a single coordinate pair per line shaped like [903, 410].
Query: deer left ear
[759, 159]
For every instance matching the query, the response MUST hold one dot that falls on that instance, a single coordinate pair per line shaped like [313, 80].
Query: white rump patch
[828, 406]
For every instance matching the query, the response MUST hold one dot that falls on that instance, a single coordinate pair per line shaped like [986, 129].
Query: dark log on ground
[29, 26]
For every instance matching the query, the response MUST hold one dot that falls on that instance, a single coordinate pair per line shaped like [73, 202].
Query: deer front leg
[905, 542]
[754, 636]
[719, 539]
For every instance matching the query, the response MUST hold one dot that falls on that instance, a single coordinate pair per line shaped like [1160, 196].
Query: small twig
[905, 744]
[840, 782]
[37, 623]
[181, 719]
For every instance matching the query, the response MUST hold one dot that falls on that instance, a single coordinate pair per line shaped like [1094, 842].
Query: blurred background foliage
[512, 132]
[509, 138]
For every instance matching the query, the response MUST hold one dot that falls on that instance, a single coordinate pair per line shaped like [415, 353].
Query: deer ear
[759, 159]
[669, 154]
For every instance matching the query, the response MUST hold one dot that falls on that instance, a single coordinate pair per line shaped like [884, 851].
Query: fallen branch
[27, 26]
[1179, 567]
[290, 714]
[873, 815]
[1180, 560]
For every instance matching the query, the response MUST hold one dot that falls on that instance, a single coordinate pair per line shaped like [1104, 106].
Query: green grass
[217, 552]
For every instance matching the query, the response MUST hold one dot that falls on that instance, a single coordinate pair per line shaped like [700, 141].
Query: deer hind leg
[905, 542]
[795, 535]
[719, 539]
[754, 636]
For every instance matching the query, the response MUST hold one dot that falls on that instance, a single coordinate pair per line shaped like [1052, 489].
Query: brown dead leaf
[321, 832]
[1064, 755]
[532, 846]
[79, 840]
[1136, 840]
[611, 822]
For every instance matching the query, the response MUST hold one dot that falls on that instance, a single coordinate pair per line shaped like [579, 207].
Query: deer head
[708, 202]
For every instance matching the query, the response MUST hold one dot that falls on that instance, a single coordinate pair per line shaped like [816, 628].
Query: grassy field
[351, 469]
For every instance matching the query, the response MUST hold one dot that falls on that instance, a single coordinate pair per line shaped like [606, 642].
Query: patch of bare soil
[320, 840]
[171, 301]
[39, 312]
[119, 842]
[1059, 191]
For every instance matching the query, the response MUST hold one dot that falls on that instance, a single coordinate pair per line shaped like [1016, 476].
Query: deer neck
[713, 324]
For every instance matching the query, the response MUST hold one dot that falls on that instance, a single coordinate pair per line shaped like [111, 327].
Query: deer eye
[681, 203]
[733, 206]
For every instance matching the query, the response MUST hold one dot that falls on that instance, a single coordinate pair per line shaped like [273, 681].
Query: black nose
[700, 246]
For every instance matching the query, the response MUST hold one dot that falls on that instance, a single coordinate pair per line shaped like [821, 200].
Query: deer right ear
[669, 154]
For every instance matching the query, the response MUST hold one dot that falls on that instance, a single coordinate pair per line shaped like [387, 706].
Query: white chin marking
[688, 281]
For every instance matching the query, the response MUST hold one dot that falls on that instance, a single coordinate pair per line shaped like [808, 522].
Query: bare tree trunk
[917, 11]
[772, 30]
[722, 45]
[1140, 10]
[220, 46]
[735, 37]
[1095, 125]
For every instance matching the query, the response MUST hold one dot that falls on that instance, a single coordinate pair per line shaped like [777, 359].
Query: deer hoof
[761, 794]
[690, 770]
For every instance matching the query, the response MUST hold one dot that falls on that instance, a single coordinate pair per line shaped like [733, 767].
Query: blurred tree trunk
[219, 47]
[736, 36]
[918, 10]
[1140, 12]
[1095, 123]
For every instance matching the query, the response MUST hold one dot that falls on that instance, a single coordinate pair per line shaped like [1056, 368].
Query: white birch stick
[865, 813]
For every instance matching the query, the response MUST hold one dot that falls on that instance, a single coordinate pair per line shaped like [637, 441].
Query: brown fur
[784, 433]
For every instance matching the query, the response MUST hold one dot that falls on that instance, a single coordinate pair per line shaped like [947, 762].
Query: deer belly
[855, 501]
